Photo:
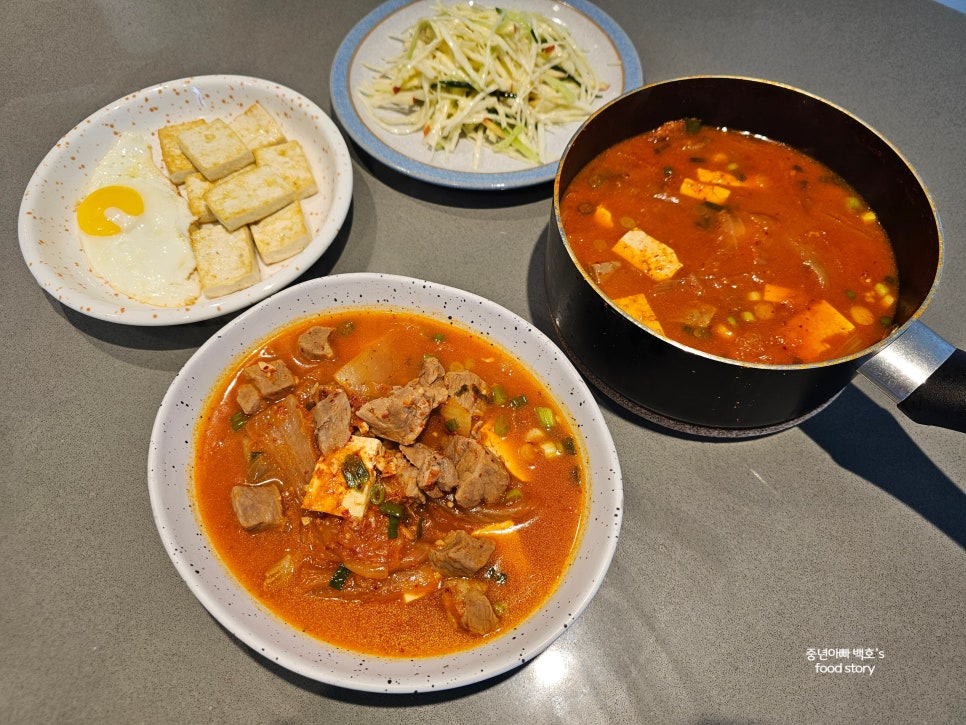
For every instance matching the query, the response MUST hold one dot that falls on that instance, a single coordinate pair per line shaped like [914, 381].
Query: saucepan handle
[925, 375]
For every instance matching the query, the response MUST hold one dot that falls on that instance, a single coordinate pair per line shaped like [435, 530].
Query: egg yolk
[90, 212]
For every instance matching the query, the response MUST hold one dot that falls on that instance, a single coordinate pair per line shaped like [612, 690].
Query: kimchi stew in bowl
[400, 486]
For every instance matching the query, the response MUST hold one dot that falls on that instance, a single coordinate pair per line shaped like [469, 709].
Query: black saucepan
[693, 392]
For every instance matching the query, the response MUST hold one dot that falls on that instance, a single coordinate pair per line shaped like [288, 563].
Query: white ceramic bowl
[48, 238]
[170, 486]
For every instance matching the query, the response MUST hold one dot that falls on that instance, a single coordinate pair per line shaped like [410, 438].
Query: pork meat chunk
[257, 507]
[466, 603]
[461, 554]
[467, 389]
[482, 477]
[314, 343]
[435, 474]
[401, 416]
[332, 416]
[270, 377]
[249, 399]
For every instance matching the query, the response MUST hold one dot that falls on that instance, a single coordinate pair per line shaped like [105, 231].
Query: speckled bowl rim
[169, 485]
[48, 238]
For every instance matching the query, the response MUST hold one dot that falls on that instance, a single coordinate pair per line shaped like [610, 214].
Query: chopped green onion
[513, 494]
[238, 420]
[569, 447]
[393, 531]
[346, 328]
[498, 576]
[419, 528]
[378, 493]
[340, 577]
[692, 125]
[500, 426]
[499, 394]
[519, 401]
[545, 416]
[392, 509]
[668, 171]
[439, 338]
[452, 425]
[354, 471]
[575, 476]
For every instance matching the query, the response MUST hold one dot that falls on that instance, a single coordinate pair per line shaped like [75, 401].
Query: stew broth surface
[733, 244]
[391, 604]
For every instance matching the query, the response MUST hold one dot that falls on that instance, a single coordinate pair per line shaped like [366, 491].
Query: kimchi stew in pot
[733, 244]
[390, 483]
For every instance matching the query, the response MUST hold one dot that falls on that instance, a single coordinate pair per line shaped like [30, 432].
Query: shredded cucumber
[494, 77]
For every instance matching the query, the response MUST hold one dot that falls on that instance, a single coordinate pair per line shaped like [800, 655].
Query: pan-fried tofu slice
[282, 234]
[226, 260]
[249, 196]
[639, 308]
[257, 127]
[655, 259]
[215, 150]
[342, 480]
[195, 187]
[178, 165]
[290, 161]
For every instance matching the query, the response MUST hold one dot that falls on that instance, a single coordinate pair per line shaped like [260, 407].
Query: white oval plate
[169, 483]
[371, 41]
[49, 240]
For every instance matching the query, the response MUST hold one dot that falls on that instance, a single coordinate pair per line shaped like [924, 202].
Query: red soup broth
[536, 527]
[733, 244]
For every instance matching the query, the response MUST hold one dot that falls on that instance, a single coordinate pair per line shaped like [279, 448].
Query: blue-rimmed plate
[371, 42]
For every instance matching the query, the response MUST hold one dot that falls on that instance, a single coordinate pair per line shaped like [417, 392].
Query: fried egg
[133, 226]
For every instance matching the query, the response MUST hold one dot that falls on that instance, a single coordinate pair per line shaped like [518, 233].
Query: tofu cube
[195, 187]
[817, 324]
[655, 259]
[249, 196]
[178, 165]
[226, 260]
[329, 491]
[638, 307]
[705, 192]
[282, 234]
[713, 176]
[289, 160]
[256, 127]
[214, 149]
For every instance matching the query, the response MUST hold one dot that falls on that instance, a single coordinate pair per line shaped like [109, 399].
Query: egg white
[151, 259]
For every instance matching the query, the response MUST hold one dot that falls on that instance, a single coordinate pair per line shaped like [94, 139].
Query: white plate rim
[62, 172]
[177, 525]
[344, 106]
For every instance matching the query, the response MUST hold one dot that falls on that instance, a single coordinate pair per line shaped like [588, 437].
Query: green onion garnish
[545, 416]
[238, 420]
[519, 401]
[340, 577]
[354, 471]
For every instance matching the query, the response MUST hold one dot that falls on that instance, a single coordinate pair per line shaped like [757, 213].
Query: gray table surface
[735, 557]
